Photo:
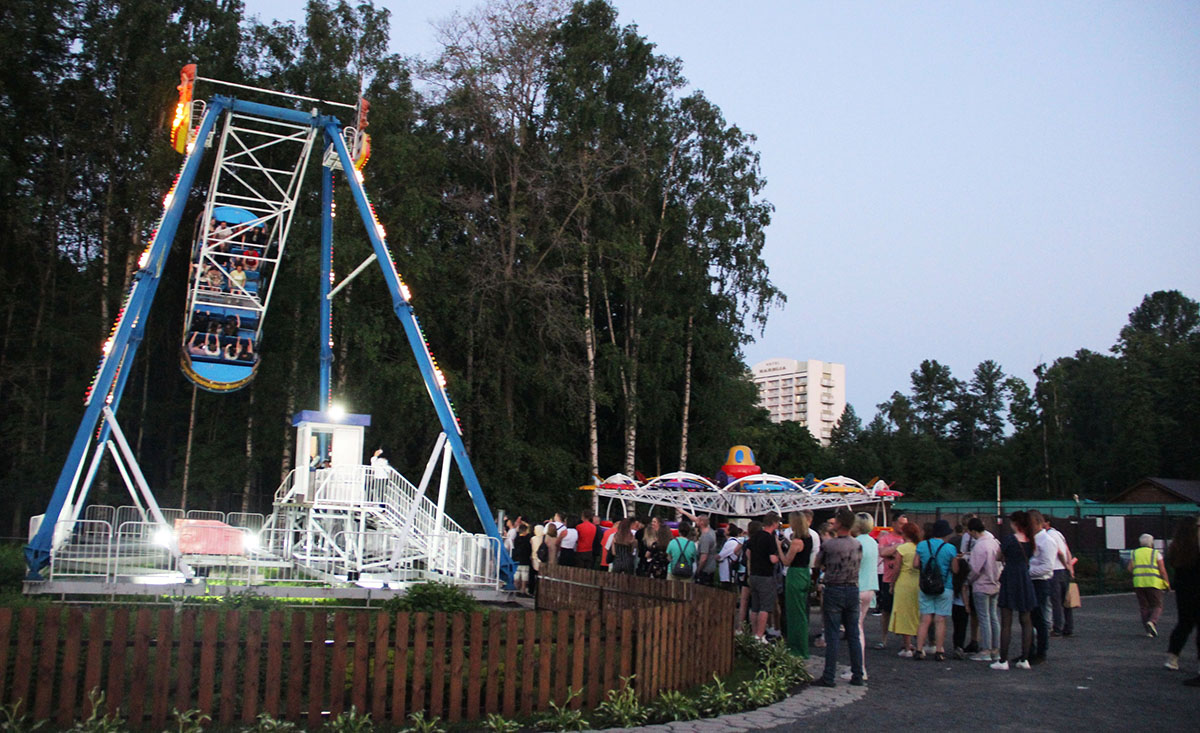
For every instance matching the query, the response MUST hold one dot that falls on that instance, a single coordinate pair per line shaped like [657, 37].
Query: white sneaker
[905, 654]
[981, 657]
[999, 665]
[850, 676]
[1024, 664]
[762, 639]
[1172, 662]
[1150, 627]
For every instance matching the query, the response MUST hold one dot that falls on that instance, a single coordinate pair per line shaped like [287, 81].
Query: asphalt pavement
[1107, 676]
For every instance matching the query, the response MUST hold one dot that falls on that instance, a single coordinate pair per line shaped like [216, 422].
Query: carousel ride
[741, 489]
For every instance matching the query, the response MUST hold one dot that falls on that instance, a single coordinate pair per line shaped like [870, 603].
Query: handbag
[1073, 600]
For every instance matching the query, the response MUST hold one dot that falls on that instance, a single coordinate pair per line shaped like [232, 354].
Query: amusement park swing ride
[338, 528]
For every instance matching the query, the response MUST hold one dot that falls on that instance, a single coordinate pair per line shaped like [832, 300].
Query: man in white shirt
[729, 555]
[1041, 571]
[1064, 571]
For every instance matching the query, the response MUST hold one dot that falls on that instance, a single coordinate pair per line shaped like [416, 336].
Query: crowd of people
[644, 546]
[945, 591]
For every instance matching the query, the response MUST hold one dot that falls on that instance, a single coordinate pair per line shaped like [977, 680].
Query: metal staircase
[371, 525]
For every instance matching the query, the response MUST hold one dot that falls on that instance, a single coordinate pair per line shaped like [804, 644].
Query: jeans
[841, 609]
[1064, 621]
[1041, 616]
[988, 611]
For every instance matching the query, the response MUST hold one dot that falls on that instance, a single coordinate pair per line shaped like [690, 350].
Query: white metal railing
[100, 513]
[87, 553]
[139, 552]
[130, 514]
[247, 520]
[386, 492]
[206, 515]
[287, 487]
[141, 549]
[465, 558]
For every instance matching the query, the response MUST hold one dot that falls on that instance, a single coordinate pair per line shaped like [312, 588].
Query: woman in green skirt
[799, 582]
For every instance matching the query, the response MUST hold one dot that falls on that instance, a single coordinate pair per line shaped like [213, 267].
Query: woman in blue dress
[1016, 589]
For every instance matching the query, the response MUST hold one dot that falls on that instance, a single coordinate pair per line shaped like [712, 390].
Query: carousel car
[839, 485]
[763, 482]
[881, 489]
[680, 481]
[618, 481]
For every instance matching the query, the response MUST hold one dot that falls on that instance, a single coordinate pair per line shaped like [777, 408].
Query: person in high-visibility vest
[1149, 582]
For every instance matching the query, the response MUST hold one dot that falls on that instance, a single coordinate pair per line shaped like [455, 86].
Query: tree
[933, 392]
[1164, 319]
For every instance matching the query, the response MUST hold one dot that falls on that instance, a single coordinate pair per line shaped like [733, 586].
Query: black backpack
[932, 583]
[543, 552]
[682, 567]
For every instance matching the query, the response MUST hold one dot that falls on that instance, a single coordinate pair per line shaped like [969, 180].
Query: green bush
[12, 720]
[431, 597]
[497, 723]
[251, 601]
[351, 722]
[621, 708]
[714, 699]
[563, 717]
[99, 721]
[672, 705]
[189, 721]
[12, 567]
[421, 725]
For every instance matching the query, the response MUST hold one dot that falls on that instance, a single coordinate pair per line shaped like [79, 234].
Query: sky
[956, 181]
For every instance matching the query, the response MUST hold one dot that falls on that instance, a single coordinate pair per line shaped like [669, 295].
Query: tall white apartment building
[812, 393]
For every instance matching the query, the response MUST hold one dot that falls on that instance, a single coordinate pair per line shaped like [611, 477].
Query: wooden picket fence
[232, 665]
[690, 627]
[573, 588]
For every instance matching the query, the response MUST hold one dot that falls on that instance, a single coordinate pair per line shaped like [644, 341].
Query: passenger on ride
[208, 347]
[213, 279]
[200, 321]
[245, 350]
[237, 278]
[232, 324]
[221, 231]
[250, 264]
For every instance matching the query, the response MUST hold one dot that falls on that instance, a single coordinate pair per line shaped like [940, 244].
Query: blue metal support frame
[115, 366]
[416, 339]
[326, 286]
[326, 329]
